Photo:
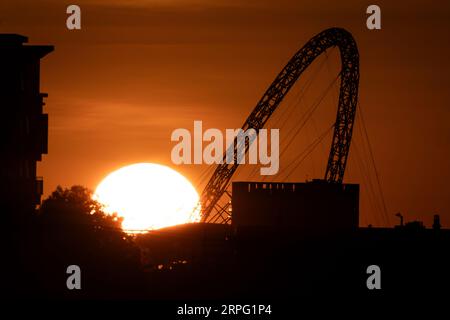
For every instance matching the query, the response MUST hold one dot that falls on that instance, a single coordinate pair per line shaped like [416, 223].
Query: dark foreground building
[313, 208]
[290, 240]
[24, 127]
[23, 140]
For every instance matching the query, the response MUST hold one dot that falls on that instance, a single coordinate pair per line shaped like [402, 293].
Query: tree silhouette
[72, 229]
[76, 207]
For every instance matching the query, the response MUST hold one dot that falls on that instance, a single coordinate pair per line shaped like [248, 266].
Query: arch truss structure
[217, 186]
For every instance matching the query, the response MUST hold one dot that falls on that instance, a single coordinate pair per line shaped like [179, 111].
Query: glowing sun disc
[148, 196]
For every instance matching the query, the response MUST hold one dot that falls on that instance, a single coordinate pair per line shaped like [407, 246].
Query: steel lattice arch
[216, 187]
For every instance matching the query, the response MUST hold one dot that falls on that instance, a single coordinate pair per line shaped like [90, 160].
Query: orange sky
[139, 69]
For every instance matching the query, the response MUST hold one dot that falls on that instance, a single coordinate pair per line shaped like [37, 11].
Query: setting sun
[148, 196]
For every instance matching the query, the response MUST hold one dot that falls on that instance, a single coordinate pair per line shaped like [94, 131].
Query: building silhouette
[24, 127]
[313, 208]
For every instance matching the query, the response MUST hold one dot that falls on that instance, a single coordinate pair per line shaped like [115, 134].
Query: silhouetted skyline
[132, 61]
[277, 239]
